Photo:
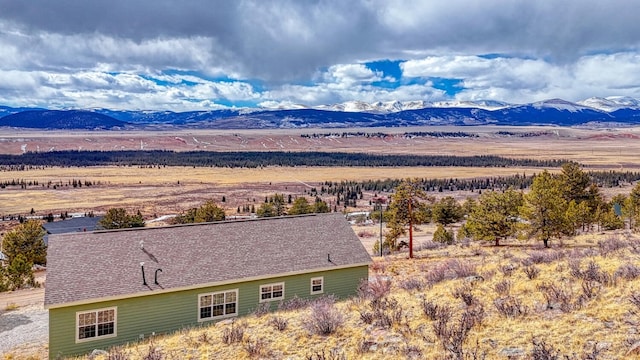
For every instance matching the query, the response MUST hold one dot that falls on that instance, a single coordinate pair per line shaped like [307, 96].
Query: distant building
[106, 288]
[76, 224]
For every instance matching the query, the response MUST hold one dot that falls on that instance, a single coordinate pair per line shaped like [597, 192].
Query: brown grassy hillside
[579, 299]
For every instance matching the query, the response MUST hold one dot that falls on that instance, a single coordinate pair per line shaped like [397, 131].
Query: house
[74, 224]
[111, 287]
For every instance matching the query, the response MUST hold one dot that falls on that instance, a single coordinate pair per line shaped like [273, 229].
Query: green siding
[168, 312]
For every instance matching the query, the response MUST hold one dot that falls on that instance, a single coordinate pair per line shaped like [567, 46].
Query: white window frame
[97, 337]
[224, 305]
[321, 278]
[271, 298]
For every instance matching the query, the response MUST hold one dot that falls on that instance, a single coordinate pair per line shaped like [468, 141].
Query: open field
[595, 147]
[171, 190]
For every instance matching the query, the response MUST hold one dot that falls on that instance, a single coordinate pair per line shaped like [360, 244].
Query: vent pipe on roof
[156, 276]
[144, 280]
[329, 257]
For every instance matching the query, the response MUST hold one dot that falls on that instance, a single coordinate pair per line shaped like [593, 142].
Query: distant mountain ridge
[611, 111]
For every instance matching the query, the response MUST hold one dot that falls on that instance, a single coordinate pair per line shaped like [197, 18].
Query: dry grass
[174, 189]
[397, 326]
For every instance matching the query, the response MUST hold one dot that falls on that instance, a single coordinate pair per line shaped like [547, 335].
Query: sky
[203, 54]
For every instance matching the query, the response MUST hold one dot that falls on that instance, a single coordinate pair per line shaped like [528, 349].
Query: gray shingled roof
[76, 224]
[105, 264]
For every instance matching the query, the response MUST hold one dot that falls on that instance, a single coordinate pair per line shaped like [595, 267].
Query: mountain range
[592, 112]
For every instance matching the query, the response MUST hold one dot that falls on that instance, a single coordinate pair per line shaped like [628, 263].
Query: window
[317, 285]
[91, 325]
[218, 305]
[271, 292]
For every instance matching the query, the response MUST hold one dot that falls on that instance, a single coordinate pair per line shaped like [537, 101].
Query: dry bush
[295, 303]
[508, 269]
[503, 287]
[510, 306]
[117, 353]
[611, 245]
[324, 318]
[365, 234]
[262, 309]
[152, 352]
[434, 311]
[542, 256]
[385, 313]
[558, 297]
[233, 334]
[448, 270]
[634, 298]
[452, 332]
[531, 271]
[278, 322]
[412, 284]
[375, 288]
[627, 271]
[464, 293]
[254, 347]
[333, 354]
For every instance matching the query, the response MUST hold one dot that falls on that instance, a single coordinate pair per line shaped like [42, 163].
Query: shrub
[502, 287]
[411, 284]
[324, 318]
[556, 296]
[510, 306]
[278, 322]
[453, 333]
[627, 271]
[375, 288]
[233, 334]
[295, 303]
[443, 235]
[386, 312]
[611, 245]
[543, 256]
[254, 347]
[434, 311]
[531, 271]
[262, 309]
[634, 298]
[464, 293]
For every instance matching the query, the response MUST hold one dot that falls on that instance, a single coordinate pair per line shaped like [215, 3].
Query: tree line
[555, 206]
[254, 159]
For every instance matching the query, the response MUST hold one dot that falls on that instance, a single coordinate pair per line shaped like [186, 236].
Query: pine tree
[27, 240]
[545, 207]
[495, 216]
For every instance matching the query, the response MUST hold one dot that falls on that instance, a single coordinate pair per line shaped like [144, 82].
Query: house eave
[199, 286]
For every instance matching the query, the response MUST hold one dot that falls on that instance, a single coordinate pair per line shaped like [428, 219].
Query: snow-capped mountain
[611, 103]
[611, 111]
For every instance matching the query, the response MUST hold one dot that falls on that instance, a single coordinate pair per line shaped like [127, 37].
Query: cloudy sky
[197, 54]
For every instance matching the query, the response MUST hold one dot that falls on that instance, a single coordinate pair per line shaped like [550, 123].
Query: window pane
[86, 332]
[230, 296]
[218, 298]
[265, 289]
[105, 316]
[265, 296]
[105, 329]
[205, 300]
[218, 310]
[87, 319]
[277, 288]
[317, 288]
[205, 312]
[230, 308]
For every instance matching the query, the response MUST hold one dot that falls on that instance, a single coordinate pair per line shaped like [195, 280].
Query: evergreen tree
[320, 206]
[300, 206]
[447, 211]
[545, 207]
[20, 273]
[407, 203]
[266, 210]
[27, 240]
[632, 207]
[209, 212]
[495, 216]
[117, 218]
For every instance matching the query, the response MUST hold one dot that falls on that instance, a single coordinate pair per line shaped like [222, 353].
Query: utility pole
[410, 232]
